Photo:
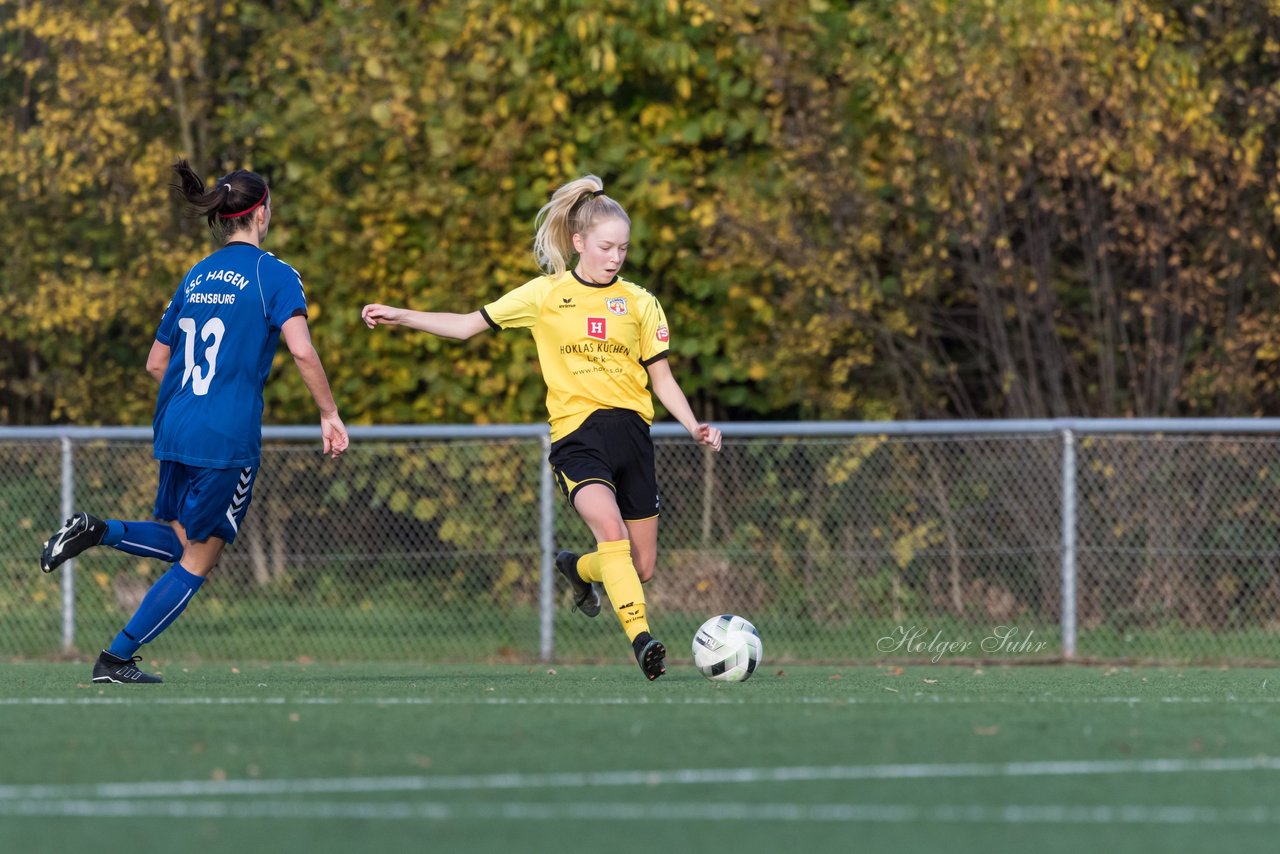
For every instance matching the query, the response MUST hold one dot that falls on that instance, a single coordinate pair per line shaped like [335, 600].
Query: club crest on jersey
[596, 329]
[616, 305]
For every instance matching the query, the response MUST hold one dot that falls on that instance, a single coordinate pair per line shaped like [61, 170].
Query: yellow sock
[589, 566]
[611, 565]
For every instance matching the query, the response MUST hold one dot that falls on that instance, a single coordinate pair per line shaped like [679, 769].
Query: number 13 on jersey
[200, 378]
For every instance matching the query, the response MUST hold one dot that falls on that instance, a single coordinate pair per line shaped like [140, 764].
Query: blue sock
[144, 539]
[160, 607]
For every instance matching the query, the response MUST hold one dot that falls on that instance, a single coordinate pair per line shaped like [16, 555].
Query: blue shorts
[207, 502]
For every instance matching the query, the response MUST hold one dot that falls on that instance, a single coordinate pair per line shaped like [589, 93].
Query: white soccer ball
[727, 649]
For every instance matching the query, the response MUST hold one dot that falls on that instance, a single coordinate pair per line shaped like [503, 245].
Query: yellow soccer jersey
[594, 343]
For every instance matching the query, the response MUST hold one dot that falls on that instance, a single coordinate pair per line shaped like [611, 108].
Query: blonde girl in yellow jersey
[602, 343]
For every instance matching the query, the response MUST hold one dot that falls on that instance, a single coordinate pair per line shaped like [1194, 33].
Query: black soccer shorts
[612, 447]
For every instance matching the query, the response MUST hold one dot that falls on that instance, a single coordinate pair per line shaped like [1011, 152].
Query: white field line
[700, 812]
[591, 780]
[142, 699]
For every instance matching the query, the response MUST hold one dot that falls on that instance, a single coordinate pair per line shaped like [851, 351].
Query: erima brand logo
[616, 305]
[566, 302]
[596, 328]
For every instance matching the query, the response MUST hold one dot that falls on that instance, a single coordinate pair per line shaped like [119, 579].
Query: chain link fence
[1012, 541]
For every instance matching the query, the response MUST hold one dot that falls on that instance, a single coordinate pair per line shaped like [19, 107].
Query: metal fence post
[68, 568]
[1068, 544]
[546, 515]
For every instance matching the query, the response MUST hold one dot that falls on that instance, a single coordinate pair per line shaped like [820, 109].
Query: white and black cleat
[78, 533]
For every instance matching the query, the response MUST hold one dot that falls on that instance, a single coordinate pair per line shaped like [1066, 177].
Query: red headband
[251, 208]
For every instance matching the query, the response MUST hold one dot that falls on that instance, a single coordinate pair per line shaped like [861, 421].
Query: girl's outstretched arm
[444, 324]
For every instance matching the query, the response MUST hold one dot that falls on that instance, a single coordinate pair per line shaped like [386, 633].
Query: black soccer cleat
[113, 668]
[78, 533]
[650, 655]
[585, 597]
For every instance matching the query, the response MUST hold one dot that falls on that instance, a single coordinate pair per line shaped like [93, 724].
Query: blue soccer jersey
[222, 328]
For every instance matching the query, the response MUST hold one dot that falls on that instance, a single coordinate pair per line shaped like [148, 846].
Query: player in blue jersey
[212, 354]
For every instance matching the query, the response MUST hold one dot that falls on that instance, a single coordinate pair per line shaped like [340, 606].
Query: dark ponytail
[228, 204]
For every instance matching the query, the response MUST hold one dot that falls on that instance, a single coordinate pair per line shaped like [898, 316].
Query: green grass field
[578, 758]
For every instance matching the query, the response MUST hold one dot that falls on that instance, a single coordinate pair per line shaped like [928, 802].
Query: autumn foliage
[1018, 208]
